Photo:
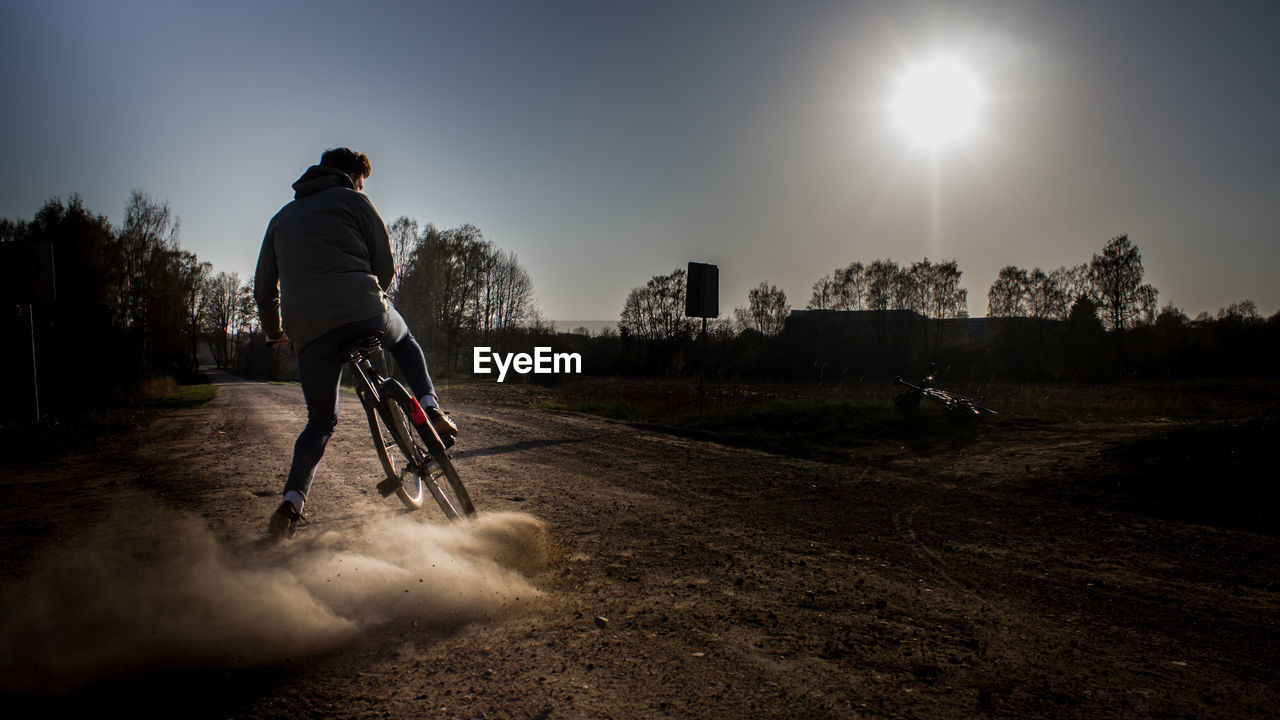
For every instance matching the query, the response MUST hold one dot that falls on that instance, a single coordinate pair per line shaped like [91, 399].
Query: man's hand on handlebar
[277, 341]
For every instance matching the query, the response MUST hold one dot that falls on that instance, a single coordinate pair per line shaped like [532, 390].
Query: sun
[937, 103]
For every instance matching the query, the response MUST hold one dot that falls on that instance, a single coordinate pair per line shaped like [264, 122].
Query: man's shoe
[284, 521]
[443, 426]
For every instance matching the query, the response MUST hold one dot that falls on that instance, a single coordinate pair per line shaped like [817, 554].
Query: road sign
[26, 272]
[702, 292]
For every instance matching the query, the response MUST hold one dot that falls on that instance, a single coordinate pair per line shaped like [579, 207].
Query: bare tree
[147, 254]
[851, 286]
[195, 285]
[934, 291]
[245, 321]
[1116, 275]
[456, 285]
[1046, 298]
[505, 300]
[223, 294]
[1075, 284]
[883, 284]
[824, 294]
[404, 236]
[441, 287]
[1244, 312]
[655, 310]
[1007, 296]
[917, 287]
[843, 289]
[946, 299]
[766, 311]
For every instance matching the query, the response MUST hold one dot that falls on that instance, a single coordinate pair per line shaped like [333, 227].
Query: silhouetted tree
[404, 236]
[1046, 298]
[883, 285]
[851, 287]
[1007, 296]
[125, 300]
[224, 308]
[151, 294]
[843, 289]
[505, 300]
[655, 311]
[1075, 283]
[1116, 275]
[194, 281]
[458, 287]
[442, 284]
[766, 311]
[942, 297]
[77, 332]
[824, 295]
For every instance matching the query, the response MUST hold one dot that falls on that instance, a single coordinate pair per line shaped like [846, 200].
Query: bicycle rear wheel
[383, 443]
[432, 465]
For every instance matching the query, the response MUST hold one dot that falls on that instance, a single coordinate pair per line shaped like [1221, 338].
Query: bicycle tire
[435, 467]
[381, 442]
[410, 485]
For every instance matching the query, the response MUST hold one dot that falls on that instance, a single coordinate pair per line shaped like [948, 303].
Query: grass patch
[828, 421]
[183, 397]
[71, 431]
[1218, 473]
[809, 428]
[818, 430]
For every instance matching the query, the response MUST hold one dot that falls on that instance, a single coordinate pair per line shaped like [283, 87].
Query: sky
[608, 142]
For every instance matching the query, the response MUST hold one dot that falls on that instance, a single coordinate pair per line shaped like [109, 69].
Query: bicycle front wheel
[432, 467]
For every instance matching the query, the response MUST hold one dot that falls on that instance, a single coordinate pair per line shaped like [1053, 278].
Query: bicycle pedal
[389, 486]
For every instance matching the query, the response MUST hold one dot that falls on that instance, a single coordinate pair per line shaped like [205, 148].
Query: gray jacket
[325, 260]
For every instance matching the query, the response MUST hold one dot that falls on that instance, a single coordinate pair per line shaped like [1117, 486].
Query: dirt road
[618, 573]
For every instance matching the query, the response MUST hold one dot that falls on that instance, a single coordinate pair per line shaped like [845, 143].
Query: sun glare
[937, 103]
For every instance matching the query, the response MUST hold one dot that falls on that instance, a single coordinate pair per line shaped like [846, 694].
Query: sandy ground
[618, 573]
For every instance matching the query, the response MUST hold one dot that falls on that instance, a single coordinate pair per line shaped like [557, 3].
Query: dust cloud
[132, 596]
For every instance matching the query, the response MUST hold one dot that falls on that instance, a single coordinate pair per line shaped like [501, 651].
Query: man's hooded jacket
[325, 260]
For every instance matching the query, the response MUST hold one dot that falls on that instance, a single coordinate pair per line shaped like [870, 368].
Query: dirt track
[674, 578]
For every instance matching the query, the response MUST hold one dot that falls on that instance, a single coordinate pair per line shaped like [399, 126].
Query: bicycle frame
[948, 400]
[431, 466]
[368, 383]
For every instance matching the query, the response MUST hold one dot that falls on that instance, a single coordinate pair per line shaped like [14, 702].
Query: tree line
[458, 289]
[1098, 319]
[130, 302]
[133, 304]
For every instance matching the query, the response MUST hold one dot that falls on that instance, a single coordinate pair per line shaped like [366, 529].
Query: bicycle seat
[366, 345]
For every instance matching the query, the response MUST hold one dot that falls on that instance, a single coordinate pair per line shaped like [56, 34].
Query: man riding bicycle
[324, 268]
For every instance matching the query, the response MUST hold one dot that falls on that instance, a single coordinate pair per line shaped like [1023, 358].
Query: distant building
[852, 319]
[850, 322]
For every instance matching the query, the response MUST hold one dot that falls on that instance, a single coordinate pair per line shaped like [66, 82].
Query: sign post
[702, 300]
[26, 278]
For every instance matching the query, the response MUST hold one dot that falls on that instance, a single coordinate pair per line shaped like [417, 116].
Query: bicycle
[411, 463]
[910, 399]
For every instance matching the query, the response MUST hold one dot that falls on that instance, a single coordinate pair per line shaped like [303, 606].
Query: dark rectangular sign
[702, 294]
[26, 272]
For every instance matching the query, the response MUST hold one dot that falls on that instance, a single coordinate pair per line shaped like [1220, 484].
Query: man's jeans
[320, 369]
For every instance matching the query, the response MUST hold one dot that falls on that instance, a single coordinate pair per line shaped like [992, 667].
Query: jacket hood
[318, 178]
